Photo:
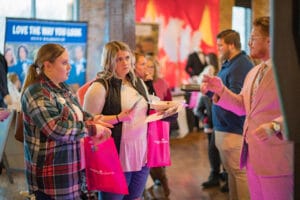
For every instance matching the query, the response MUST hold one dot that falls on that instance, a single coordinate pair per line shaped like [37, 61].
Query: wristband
[276, 127]
[117, 119]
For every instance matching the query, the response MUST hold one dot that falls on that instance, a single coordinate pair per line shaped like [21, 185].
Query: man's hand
[264, 132]
[213, 84]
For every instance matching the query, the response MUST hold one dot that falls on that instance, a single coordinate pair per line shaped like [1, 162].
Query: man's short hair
[230, 37]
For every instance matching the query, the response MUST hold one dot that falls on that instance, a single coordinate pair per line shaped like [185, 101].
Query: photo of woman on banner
[23, 62]
[78, 70]
[10, 57]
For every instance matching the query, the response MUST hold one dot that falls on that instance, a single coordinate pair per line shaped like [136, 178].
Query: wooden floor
[189, 169]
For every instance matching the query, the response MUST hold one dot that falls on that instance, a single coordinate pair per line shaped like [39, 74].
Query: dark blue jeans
[136, 182]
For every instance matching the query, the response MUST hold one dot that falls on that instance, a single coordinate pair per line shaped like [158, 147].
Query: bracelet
[117, 119]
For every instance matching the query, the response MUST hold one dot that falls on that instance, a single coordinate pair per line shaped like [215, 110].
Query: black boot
[225, 187]
[213, 181]
[223, 176]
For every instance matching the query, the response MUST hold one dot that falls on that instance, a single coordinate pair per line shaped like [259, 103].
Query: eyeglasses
[253, 39]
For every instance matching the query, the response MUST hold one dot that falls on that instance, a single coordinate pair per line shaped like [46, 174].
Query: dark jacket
[112, 104]
[194, 66]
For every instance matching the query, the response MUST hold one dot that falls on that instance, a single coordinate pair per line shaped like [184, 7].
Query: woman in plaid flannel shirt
[54, 123]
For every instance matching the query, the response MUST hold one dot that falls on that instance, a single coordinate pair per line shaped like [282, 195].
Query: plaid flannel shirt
[52, 139]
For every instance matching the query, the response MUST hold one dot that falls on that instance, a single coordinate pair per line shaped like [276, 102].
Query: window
[241, 22]
[56, 9]
[40, 9]
[37, 9]
[15, 8]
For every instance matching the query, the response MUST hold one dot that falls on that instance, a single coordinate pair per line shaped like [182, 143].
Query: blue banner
[23, 37]
[45, 31]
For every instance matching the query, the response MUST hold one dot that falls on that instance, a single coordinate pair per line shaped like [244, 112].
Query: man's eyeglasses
[253, 39]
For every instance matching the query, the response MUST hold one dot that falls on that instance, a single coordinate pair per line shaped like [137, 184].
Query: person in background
[267, 154]
[10, 56]
[5, 98]
[146, 68]
[121, 98]
[14, 87]
[194, 66]
[160, 85]
[4, 95]
[228, 126]
[54, 124]
[195, 63]
[162, 90]
[211, 68]
[203, 111]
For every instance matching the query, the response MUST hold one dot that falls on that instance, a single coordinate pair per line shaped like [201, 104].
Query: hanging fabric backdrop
[184, 27]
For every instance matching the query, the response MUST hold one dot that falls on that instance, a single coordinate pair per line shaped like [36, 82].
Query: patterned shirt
[52, 133]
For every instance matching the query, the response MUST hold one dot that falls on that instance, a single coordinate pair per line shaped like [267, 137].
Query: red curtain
[184, 26]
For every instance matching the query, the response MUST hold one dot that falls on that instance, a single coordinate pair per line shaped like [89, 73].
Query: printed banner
[184, 27]
[23, 37]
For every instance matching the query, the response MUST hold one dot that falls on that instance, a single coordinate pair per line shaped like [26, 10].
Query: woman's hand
[8, 100]
[98, 119]
[148, 77]
[126, 115]
[168, 112]
[103, 133]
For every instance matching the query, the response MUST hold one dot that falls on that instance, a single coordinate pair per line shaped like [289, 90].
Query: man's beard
[225, 56]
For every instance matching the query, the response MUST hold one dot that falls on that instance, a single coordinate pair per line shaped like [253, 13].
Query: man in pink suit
[266, 154]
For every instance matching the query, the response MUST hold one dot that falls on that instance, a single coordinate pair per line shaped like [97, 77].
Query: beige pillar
[225, 14]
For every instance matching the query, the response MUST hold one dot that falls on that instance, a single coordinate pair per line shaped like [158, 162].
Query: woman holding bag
[121, 98]
[146, 68]
[54, 124]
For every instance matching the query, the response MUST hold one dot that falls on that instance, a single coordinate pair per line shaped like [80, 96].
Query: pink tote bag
[103, 168]
[158, 144]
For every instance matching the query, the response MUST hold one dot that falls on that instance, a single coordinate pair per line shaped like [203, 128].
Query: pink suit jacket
[273, 157]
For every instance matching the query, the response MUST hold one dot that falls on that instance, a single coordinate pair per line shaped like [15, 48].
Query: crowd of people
[238, 106]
